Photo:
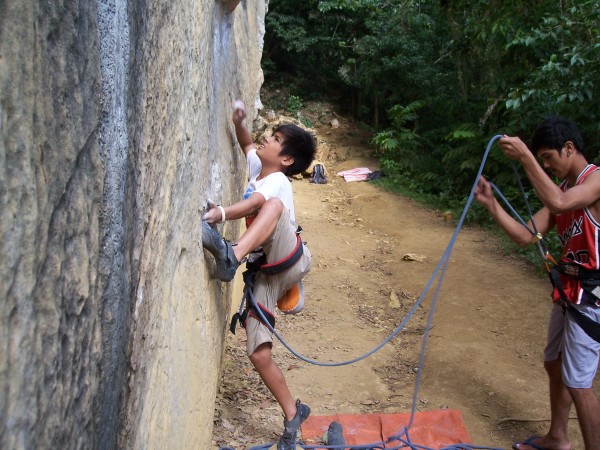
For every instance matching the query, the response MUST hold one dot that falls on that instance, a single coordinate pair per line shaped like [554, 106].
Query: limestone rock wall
[114, 130]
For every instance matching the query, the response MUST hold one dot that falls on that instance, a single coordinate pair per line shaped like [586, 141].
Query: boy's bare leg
[273, 378]
[262, 228]
[560, 406]
[588, 413]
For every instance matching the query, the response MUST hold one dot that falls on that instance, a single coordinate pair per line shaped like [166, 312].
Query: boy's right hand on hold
[239, 112]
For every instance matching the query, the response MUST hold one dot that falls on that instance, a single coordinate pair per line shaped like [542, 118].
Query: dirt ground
[373, 255]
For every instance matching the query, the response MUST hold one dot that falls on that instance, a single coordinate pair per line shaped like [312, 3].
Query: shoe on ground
[222, 250]
[334, 434]
[287, 441]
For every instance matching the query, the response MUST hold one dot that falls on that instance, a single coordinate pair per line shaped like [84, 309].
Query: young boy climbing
[571, 355]
[268, 207]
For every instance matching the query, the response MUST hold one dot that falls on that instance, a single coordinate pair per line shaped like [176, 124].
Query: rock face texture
[114, 130]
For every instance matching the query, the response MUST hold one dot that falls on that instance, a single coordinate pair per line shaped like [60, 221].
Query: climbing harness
[590, 283]
[254, 309]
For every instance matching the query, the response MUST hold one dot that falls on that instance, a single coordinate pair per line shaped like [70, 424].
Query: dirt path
[484, 350]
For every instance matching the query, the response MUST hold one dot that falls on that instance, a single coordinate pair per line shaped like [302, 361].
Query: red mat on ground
[435, 429]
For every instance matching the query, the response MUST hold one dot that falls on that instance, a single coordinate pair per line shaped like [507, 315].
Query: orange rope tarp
[435, 429]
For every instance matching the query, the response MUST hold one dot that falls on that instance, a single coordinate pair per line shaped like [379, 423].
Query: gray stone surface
[114, 130]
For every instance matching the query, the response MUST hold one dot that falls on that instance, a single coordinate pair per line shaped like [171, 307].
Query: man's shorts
[269, 288]
[580, 352]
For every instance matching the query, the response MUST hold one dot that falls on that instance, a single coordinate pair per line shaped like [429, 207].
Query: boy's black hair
[299, 144]
[553, 132]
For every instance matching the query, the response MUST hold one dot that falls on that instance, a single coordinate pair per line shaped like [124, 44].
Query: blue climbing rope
[535, 234]
[511, 209]
[441, 266]
[440, 269]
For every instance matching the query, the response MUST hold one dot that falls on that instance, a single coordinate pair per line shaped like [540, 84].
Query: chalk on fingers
[238, 104]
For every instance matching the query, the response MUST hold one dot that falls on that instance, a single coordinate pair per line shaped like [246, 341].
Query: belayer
[572, 349]
[271, 237]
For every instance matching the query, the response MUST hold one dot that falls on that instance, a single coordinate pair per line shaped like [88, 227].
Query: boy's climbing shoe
[287, 441]
[222, 250]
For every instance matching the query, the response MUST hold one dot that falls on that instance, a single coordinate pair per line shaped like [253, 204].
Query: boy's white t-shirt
[273, 185]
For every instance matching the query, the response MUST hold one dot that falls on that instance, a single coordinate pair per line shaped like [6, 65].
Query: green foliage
[438, 79]
[306, 122]
[398, 144]
[563, 53]
[294, 104]
[348, 5]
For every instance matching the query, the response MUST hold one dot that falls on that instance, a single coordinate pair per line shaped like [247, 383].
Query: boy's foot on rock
[222, 250]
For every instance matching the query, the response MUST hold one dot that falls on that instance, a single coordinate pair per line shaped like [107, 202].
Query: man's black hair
[553, 132]
[299, 144]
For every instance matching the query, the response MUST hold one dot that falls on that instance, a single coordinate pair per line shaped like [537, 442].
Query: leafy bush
[462, 71]
[294, 104]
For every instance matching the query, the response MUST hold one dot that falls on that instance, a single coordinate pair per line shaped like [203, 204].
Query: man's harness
[590, 283]
[248, 306]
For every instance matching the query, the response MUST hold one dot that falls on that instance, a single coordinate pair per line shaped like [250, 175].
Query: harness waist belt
[575, 271]
[285, 263]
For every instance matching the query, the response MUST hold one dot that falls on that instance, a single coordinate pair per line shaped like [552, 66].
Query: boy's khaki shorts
[269, 288]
